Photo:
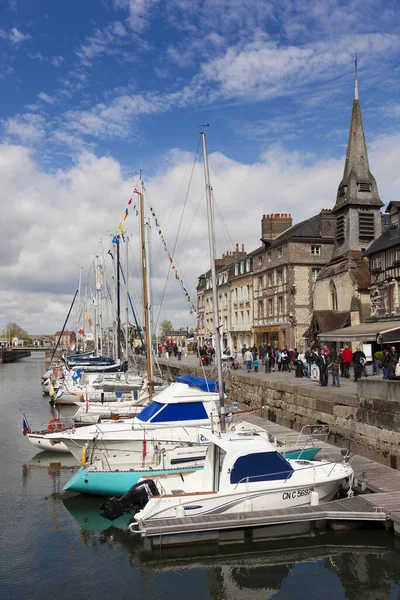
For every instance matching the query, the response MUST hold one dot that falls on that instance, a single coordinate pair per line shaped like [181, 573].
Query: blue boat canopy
[207, 385]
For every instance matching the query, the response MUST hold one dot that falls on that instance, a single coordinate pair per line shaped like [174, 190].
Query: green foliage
[378, 355]
[166, 326]
[13, 330]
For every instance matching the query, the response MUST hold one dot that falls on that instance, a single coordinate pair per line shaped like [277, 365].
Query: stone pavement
[348, 386]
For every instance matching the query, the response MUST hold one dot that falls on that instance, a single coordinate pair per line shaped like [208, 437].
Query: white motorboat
[242, 472]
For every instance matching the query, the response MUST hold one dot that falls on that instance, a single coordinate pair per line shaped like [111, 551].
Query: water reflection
[334, 565]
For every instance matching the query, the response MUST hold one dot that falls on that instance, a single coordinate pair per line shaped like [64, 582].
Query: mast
[80, 303]
[211, 240]
[145, 294]
[126, 304]
[118, 306]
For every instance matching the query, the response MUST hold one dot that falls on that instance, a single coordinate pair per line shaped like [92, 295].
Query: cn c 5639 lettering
[295, 494]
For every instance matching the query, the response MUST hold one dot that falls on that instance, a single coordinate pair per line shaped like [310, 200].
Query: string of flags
[193, 308]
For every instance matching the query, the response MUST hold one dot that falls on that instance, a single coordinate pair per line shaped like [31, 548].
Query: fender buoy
[83, 456]
[54, 425]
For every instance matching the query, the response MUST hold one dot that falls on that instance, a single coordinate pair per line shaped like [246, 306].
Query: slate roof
[305, 230]
[327, 320]
[388, 239]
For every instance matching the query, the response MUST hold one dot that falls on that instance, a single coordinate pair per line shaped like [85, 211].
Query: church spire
[358, 186]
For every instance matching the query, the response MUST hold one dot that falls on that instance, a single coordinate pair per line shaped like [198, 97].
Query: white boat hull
[40, 441]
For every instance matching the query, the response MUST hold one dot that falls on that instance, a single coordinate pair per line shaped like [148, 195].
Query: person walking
[279, 359]
[308, 355]
[347, 357]
[385, 363]
[334, 366]
[393, 357]
[180, 350]
[285, 360]
[248, 359]
[358, 360]
[255, 365]
[244, 350]
[323, 363]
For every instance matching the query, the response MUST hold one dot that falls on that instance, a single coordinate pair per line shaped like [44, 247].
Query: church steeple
[358, 186]
[357, 208]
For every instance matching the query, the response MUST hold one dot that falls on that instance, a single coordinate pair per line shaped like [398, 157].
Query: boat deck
[381, 505]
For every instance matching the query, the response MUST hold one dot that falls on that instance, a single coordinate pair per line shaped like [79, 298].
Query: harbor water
[53, 546]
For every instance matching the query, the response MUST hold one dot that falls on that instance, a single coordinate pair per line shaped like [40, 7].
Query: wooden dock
[379, 502]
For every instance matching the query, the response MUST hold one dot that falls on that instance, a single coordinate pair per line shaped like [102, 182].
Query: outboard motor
[135, 499]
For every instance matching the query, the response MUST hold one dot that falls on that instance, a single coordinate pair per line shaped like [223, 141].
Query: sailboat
[242, 471]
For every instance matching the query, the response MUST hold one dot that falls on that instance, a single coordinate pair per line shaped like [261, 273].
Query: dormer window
[280, 252]
[376, 263]
[364, 187]
[316, 250]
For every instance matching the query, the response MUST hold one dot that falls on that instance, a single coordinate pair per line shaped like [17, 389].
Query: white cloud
[54, 221]
[139, 12]
[29, 127]
[45, 97]
[14, 36]
[102, 41]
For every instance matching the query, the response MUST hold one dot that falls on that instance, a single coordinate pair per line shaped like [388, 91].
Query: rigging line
[227, 234]
[180, 224]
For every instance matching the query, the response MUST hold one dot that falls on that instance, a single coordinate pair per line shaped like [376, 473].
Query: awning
[379, 331]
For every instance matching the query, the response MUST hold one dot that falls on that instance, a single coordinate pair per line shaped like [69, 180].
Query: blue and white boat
[242, 473]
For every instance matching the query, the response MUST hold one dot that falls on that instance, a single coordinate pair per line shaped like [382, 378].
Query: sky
[93, 91]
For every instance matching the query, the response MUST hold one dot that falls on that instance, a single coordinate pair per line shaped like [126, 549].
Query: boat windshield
[261, 466]
[156, 412]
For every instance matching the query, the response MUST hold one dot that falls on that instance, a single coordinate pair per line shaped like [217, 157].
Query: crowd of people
[327, 360]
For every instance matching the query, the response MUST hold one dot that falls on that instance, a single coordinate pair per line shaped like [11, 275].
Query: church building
[341, 295]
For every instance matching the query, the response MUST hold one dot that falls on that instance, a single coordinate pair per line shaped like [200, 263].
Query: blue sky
[92, 91]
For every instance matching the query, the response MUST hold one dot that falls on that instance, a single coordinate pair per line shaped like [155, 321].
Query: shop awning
[379, 331]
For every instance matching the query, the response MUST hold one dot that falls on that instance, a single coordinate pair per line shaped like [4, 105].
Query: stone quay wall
[367, 423]
[9, 355]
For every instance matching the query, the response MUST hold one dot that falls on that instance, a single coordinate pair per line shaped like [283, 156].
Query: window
[376, 263]
[333, 296]
[316, 250]
[248, 265]
[260, 309]
[342, 190]
[240, 294]
[260, 259]
[236, 295]
[340, 229]
[248, 316]
[315, 273]
[237, 269]
[270, 279]
[241, 316]
[235, 318]
[270, 307]
[397, 255]
[366, 225]
[269, 256]
[280, 276]
[260, 283]
[280, 305]
[280, 252]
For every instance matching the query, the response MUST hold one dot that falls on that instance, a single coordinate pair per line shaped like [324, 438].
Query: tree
[13, 330]
[166, 326]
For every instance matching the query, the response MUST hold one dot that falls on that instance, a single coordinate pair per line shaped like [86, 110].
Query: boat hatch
[156, 412]
[261, 466]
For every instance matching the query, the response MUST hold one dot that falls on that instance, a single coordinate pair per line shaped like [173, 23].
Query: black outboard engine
[135, 499]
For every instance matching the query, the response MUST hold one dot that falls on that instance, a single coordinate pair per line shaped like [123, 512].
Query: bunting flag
[122, 231]
[111, 254]
[72, 346]
[25, 426]
[136, 191]
[89, 320]
[193, 308]
[126, 214]
[130, 201]
[81, 331]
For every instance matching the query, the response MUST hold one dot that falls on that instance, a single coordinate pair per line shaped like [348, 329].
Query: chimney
[274, 224]
[326, 223]
[237, 247]
[242, 247]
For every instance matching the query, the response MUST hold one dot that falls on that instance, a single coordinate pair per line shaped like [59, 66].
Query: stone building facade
[285, 269]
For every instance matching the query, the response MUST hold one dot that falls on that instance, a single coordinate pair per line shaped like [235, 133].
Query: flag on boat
[25, 426]
[111, 254]
[136, 191]
[126, 214]
[130, 201]
[81, 332]
[77, 374]
[72, 346]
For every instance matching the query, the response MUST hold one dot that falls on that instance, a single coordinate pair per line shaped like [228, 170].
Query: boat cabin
[182, 405]
[242, 457]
